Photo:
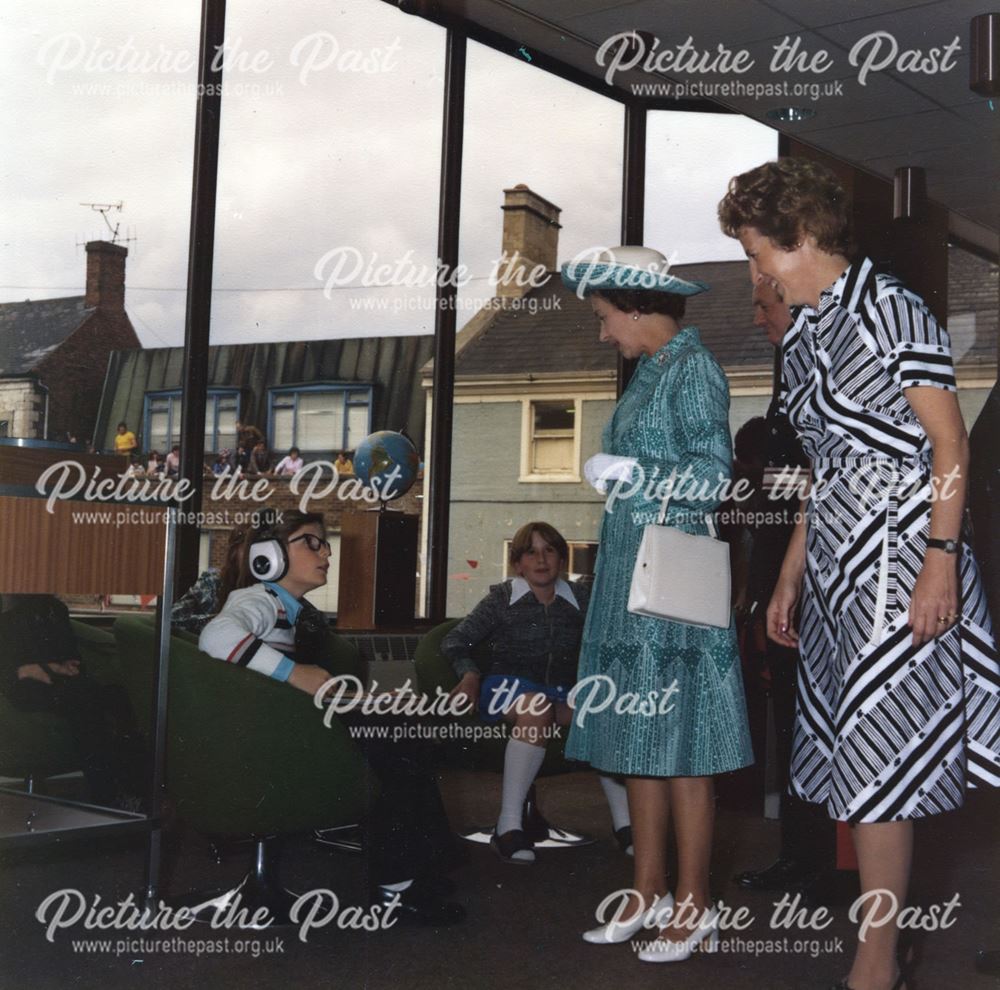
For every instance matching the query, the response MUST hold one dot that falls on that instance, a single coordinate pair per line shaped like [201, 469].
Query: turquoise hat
[626, 267]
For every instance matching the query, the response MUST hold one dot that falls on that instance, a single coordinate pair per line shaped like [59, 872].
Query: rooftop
[551, 331]
[31, 330]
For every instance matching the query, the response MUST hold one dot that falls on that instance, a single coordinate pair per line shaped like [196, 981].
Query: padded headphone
[268, 558]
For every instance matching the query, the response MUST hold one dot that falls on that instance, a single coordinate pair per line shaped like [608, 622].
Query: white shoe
[666, 950]
[621, 931]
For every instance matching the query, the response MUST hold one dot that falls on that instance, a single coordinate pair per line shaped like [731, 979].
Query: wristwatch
[948, 546]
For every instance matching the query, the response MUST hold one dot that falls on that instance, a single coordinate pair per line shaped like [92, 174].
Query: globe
[387, 462]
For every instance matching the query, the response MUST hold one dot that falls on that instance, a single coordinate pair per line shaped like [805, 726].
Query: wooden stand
[378, 570]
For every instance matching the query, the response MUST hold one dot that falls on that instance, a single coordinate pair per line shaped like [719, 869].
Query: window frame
[276, 392]
[526, 473]
[211, 415]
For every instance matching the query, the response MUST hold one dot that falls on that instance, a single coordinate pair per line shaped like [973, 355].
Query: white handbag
[681, 577]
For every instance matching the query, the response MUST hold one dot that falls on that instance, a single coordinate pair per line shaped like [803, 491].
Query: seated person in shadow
[41, 671]
[533, 624]
[266, 625]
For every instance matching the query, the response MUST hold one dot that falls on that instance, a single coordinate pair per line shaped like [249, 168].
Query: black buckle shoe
[780, 875]
[536, 827]
[514, 841]
[624, 838]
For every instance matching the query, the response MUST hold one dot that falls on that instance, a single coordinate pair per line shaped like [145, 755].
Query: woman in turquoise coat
[678, 716]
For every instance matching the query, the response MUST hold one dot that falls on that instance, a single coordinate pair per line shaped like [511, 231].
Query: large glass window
[326, 231]
[690, 158]
[533, 383]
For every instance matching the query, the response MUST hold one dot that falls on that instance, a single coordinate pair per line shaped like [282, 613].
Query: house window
[162, 419]
[320, 420]
[550, 446]
[582, 558]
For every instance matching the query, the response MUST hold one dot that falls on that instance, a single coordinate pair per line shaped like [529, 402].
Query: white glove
[602, 469]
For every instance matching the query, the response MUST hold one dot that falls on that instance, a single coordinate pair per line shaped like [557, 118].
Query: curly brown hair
[644, 301]
[786, 199]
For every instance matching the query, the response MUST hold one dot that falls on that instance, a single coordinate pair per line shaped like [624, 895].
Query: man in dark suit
[808, 836]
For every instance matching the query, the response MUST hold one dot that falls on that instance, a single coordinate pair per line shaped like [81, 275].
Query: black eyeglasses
[313, 542]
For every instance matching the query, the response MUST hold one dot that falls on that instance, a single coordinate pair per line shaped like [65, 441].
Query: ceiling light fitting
[984, 54]
[909, 193]
[790, 115]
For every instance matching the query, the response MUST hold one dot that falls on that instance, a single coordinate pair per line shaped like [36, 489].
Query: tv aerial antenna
[104, 209]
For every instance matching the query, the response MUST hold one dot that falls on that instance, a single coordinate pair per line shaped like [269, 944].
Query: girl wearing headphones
[266, 626]
[261, 594]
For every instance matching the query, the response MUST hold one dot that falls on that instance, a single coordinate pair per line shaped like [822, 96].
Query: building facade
[54, 352]
[534, 388]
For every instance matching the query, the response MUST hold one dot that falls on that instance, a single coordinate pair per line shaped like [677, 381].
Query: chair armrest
[246, 753]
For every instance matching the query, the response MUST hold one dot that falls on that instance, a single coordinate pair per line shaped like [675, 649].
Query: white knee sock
[617, 801]
[521, 764]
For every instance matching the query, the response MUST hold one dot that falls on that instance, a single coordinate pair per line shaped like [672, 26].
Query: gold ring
[941, 619]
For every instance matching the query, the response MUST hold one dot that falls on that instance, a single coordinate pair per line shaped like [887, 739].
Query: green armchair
[36, 745]
[247, 756]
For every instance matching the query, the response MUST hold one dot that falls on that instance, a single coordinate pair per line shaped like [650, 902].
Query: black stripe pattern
[884, 731]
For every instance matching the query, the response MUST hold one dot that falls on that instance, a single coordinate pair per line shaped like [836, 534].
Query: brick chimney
[530, 237]
[105, 276]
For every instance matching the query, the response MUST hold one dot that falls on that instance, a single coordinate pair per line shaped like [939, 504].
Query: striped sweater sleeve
[237, 633]
[919, 347]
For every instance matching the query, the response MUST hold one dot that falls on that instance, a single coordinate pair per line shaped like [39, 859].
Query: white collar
[519, 588]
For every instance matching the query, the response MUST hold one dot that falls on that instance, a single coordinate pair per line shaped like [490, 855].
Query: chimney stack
[105, 276]
[530, 238]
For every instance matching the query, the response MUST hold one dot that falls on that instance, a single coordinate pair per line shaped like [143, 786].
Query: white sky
[313, 159]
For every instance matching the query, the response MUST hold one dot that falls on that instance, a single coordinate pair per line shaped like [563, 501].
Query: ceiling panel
[814, 13]
[950, 89]
[673, 22]
[881, 99]
[934, 26]
[900, 136]
[946, 164]
[563, 10]
[897, 118]
[965, 196]
[986, 120]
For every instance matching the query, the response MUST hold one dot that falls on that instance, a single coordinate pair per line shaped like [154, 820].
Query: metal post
[201, 246]
[158, 730]
[449, 204]
[633, 201]
[180, 562]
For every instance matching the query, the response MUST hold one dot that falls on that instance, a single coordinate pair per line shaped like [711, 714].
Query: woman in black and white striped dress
[899, 691]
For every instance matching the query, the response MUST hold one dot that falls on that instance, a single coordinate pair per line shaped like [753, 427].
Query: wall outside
[22, 404]
[488, 503]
